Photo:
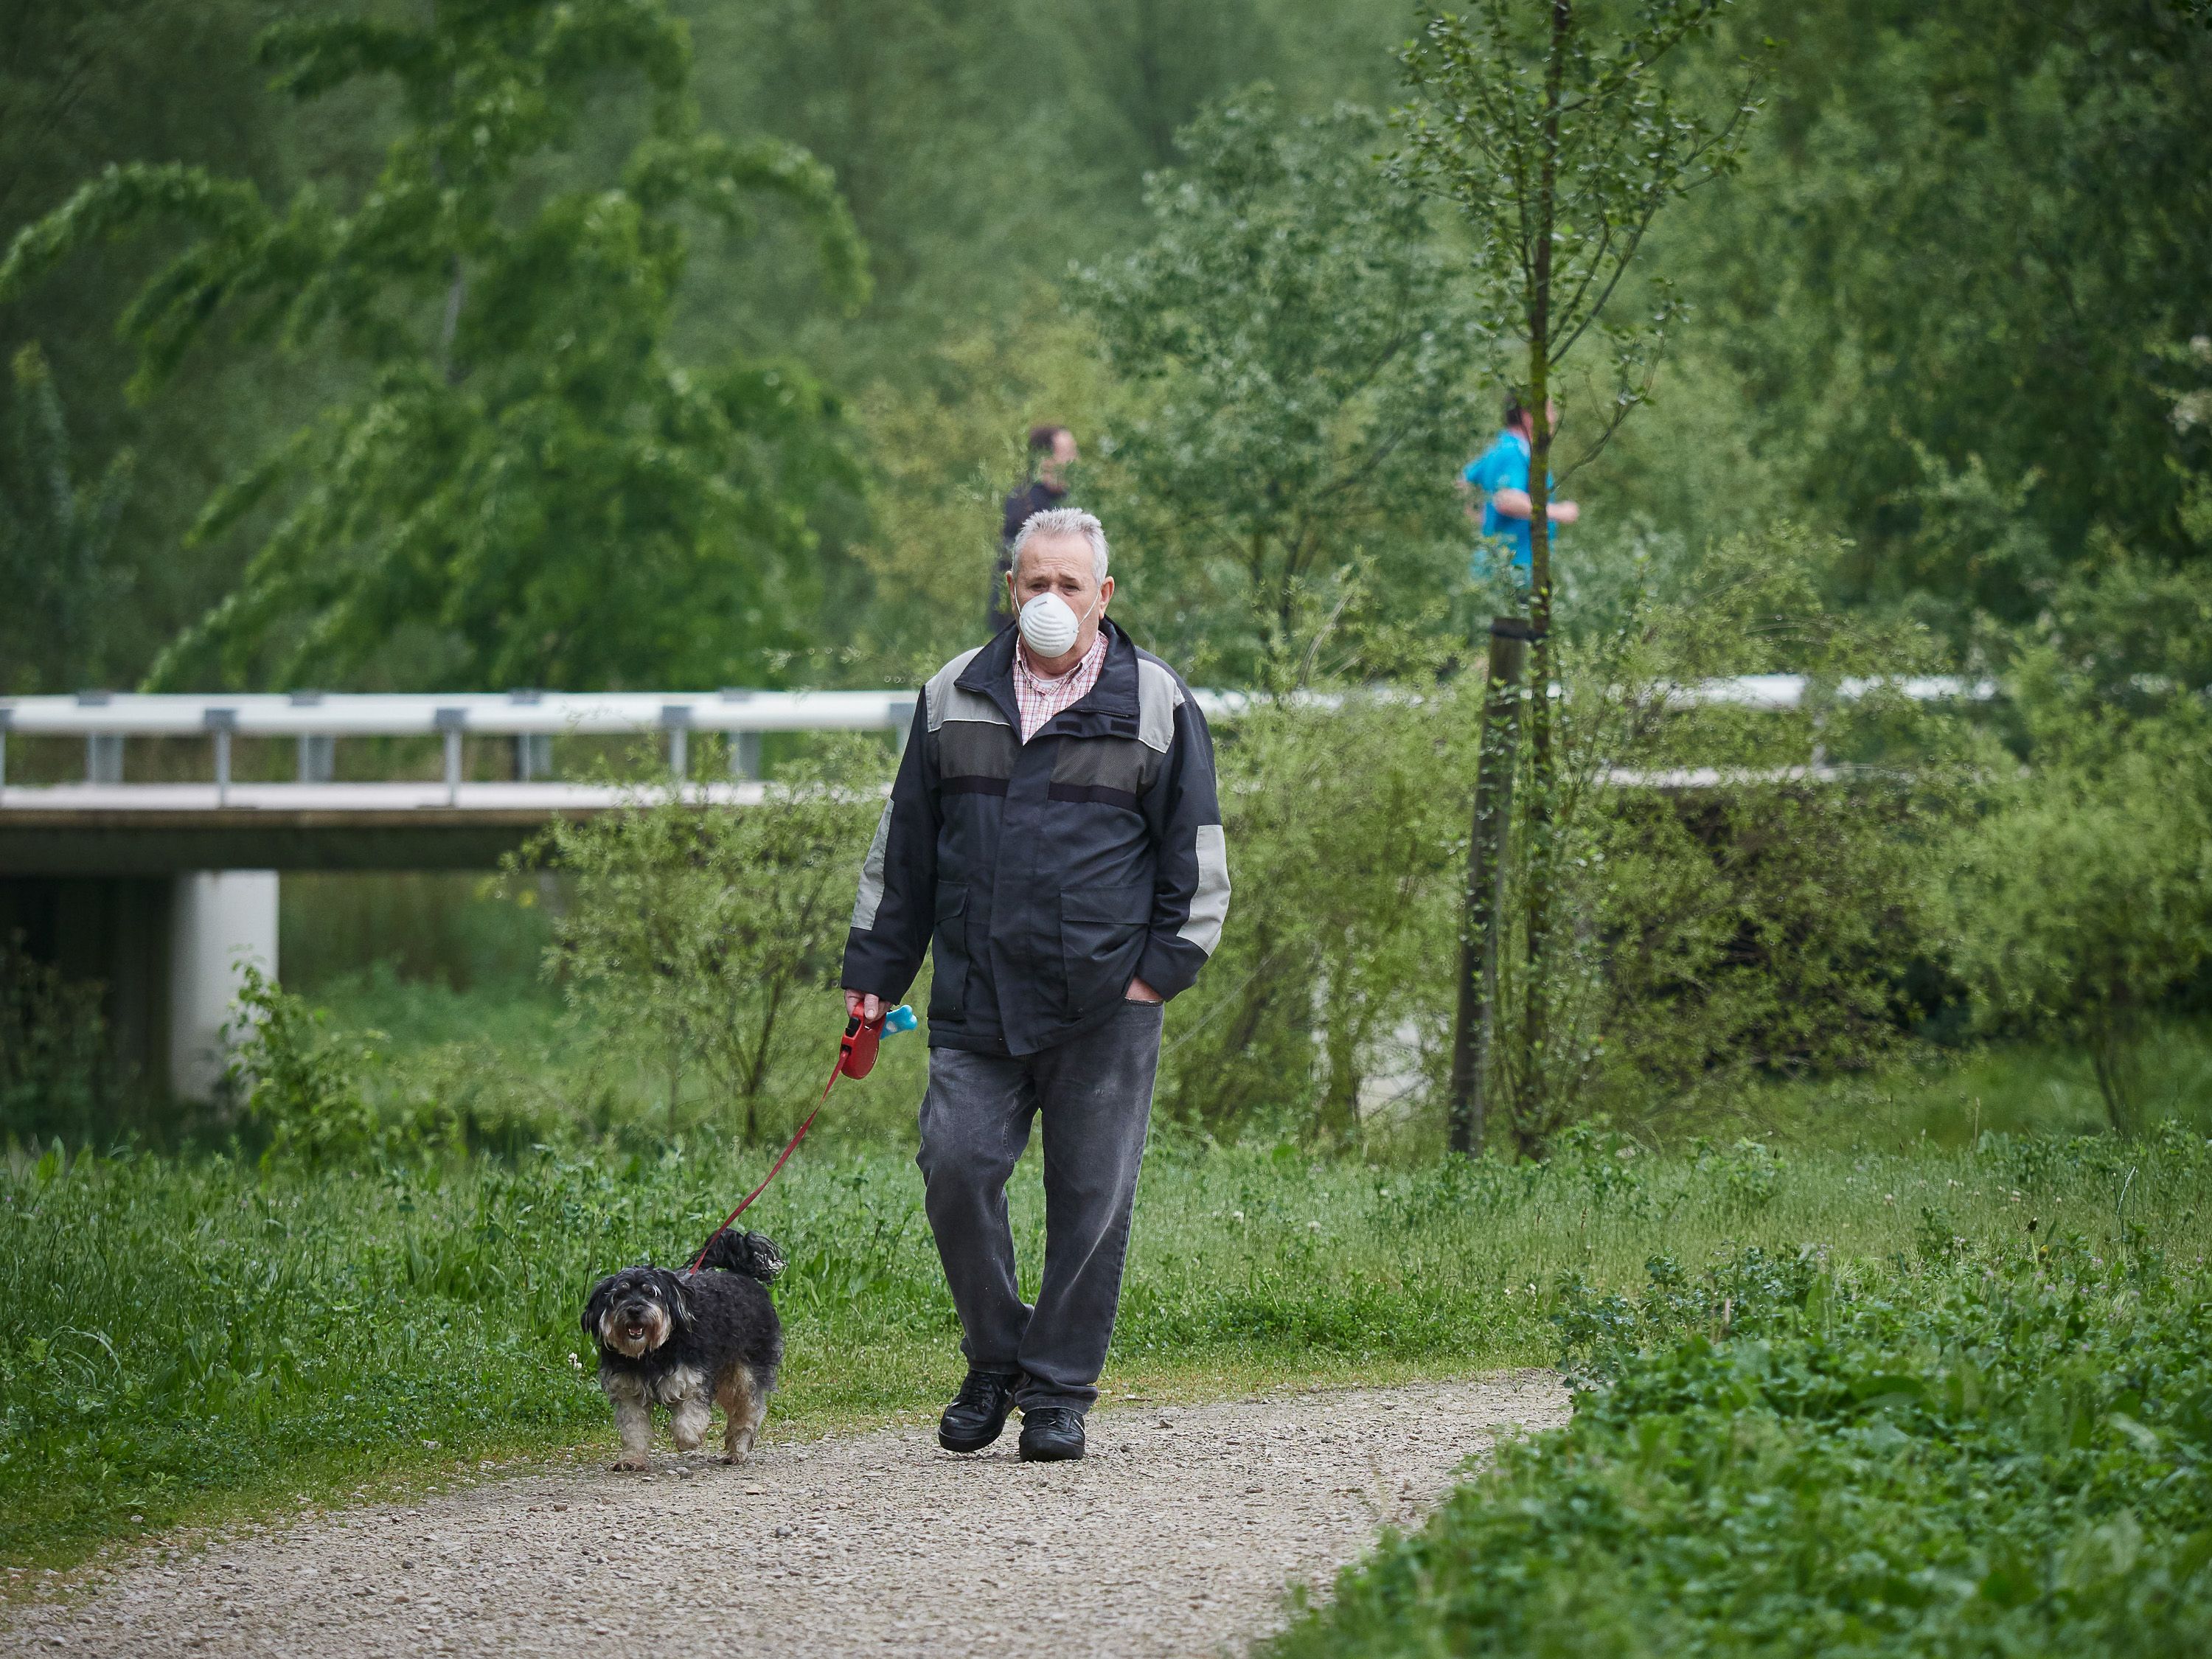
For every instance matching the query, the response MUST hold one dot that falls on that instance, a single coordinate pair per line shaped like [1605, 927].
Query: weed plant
[2002, 1446]
[187, 1336]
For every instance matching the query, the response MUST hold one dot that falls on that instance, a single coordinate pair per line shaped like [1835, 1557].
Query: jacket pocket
[1102, 937]
[948, 951]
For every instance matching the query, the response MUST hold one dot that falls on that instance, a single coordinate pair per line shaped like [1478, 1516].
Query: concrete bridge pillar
[218, 921]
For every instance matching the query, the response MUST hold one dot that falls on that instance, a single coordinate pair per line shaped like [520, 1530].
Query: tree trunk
[755, 1077]
[1531, 1109]
[1475, 1028]
[449, 324]
[1337, 1120]
[2114, 1060]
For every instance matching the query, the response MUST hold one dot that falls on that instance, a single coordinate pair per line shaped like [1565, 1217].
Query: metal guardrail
[513, 714]
[317, 720]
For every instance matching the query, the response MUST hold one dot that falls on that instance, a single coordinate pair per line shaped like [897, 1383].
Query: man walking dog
[1054, 838]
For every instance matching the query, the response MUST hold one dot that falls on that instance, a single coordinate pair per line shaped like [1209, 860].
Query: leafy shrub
[708, 941]
[1999, 1452]
[301, 1085]
[2083, 898]
[325, 1098]
[2080, 901]
[1342, 918]
[1740, 890]
[314, 1092]
[1750, 921]
[55, 1074]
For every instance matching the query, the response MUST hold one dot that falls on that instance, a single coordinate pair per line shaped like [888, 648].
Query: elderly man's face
[1061, 565]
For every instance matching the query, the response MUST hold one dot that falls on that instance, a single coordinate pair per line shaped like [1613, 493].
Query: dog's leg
[689, 1418]
[742, 1408]
[634, 1422]
[632, 1417]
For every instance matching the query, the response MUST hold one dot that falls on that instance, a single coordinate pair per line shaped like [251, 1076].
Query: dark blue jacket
[1044, 875]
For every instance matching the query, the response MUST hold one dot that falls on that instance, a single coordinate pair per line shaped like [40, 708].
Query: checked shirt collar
[1038, 699]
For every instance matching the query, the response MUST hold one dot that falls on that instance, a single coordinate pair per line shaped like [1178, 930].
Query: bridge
[160, 888]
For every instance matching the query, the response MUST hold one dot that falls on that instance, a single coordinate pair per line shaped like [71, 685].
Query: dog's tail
[754, 1255]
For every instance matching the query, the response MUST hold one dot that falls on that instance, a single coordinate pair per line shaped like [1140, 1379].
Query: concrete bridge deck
[165, 829]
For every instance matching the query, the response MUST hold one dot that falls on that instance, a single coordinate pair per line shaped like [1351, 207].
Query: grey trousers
[1095, 1094]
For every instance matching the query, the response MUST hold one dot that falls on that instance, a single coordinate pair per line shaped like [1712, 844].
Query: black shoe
[1051, 1434]
[975, 1420]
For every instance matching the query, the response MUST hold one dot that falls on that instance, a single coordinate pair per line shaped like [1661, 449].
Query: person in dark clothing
[1053, 840]
[1052, 451]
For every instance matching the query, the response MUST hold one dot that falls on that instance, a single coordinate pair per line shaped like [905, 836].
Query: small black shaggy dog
[690, 1341]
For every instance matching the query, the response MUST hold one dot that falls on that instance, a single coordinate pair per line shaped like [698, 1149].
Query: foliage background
[1999, 461]
[1979, 425]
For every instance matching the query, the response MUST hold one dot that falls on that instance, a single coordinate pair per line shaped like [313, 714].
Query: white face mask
[1049, 625]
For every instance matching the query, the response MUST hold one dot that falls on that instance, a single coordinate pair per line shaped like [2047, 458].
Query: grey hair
[1066, 521]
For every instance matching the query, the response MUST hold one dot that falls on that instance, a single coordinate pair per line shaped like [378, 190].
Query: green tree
[97, 81]
[526, 472]
[55, 540]
[1559, 148]
[1939, 286]
[1308, 374]
[943, 453]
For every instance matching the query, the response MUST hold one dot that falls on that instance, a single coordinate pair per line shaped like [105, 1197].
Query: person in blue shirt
[1500, 475]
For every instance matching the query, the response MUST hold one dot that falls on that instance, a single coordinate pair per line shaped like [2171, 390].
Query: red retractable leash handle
[856, 1058]
[856, 1054]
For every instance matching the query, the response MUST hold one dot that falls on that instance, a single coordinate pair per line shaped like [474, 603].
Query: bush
[1999, 1451]
[2082, 899]
[1732, 913]
[55, 1074]
[300, 1083]
[1330, 968]
[1740, 891]
[709, 942]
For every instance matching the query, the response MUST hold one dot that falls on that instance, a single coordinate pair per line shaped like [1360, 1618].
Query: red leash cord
[856, 1054]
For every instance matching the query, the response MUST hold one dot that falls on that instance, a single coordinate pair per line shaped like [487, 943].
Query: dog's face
[636, 1311]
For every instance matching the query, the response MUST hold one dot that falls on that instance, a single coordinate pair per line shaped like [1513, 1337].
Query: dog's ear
[595, 1306]
[680, 1304]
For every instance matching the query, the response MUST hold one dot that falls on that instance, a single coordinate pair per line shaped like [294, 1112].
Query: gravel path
[1177, 1535]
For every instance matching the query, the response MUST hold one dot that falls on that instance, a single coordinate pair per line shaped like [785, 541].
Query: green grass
[447, 931]
[509, 1045]
[515, 1041]
[1948, 1097]
[190, 1338]
[1996, 1446]
[520, 1019]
